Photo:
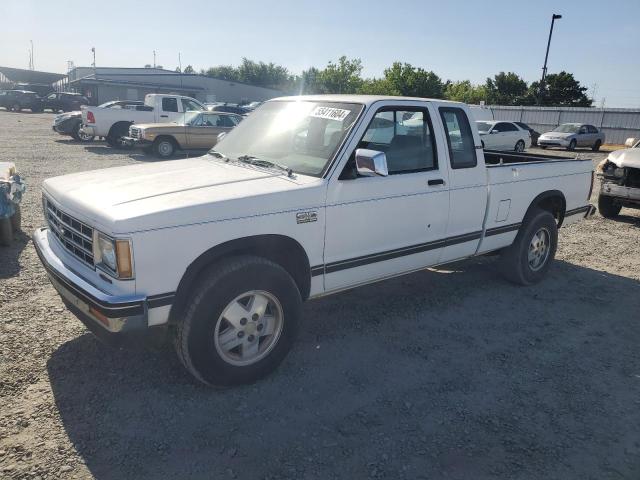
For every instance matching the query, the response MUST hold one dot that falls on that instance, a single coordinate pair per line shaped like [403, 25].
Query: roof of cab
[362, 99]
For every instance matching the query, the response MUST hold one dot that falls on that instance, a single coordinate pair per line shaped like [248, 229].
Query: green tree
[561, 90]
[340, 77]
[308, 83]
[189, 69]
[414, 82]
[506, 89]
[224, 72]
[465, 91]
[378, 86]
[263, 74]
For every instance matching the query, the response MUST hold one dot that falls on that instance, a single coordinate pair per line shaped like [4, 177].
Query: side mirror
[371, 163]
[220, 136]
[494, 131]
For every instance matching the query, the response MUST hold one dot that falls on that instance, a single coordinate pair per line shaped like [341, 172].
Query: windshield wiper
[250, 159]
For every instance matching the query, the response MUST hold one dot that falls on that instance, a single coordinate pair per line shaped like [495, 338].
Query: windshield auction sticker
[329, 113]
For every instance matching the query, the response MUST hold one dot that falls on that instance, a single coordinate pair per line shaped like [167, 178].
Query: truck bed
[496, 157]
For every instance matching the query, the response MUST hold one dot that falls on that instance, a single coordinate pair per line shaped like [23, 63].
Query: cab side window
[405, 135]
[462, 150]
[170, 104]
[189, 106]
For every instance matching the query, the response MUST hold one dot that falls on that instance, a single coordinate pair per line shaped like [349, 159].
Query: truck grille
[134, 132]
[75, 236]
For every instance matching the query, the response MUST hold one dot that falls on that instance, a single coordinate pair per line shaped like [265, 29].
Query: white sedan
[498, 135]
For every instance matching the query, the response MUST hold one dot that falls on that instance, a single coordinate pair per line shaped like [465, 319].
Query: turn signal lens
[123, 256]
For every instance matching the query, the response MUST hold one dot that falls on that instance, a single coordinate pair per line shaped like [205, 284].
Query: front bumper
[132, 142]
[624, 194]
[553, 142]
[116, 320]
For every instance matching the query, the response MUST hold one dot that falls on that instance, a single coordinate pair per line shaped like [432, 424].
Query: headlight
[112, 255]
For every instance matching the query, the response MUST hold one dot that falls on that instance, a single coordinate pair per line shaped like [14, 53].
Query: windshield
[300, 135]
[567, 128]
[484, 126]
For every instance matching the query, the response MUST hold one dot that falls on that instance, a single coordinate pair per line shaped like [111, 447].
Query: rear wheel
[527, 260]
[114, 139]
[16, 107]
[78, 134]
[596, 146]
[240, 321]
[520, 146]
[607, 207]
[572, 145]
[6, 232]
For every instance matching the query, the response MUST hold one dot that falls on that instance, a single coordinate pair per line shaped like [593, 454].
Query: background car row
[18, 100]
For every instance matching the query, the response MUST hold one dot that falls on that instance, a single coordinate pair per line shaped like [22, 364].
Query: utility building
[103, 84]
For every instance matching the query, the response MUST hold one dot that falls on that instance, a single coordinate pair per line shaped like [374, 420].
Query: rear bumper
[116, 320]
[89, 130]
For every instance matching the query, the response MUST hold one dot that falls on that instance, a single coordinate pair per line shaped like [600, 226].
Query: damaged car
[620, 180]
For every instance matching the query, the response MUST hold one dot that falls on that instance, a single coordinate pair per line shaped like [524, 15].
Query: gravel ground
[447, 373]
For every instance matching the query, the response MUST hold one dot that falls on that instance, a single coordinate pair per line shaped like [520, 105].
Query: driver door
[386, 225]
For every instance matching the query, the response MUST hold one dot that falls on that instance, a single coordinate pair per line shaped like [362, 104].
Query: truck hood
[625, 158]
[163, 194]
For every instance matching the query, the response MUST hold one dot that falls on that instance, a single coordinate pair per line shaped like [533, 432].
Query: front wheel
[596, 146]
[520, 146]
[164, 147]
[527, 260]
[607, 207]
[240, 321]
[572, 145]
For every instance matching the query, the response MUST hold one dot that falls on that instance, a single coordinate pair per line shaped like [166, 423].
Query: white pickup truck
[301, 200]
[113, 122]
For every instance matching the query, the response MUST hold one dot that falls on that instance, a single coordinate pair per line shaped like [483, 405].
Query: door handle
[164, 116]
[436, 181]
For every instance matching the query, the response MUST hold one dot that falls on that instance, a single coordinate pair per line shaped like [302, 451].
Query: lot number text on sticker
[329, 113]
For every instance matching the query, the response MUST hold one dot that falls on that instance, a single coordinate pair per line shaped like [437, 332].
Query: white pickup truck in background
[303, 199]
[113, 123]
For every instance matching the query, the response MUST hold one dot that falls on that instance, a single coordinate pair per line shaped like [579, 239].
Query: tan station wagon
[193, 130]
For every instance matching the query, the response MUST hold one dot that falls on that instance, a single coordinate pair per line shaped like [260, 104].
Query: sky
[598, 41]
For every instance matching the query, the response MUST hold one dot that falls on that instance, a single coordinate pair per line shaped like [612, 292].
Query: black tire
[520, 146]
[6, 232]
[482, 144]
[596, 146]
[16, 220]
[514, 260]
[16, 108]
[572, 145]
[607, 207]
[544, 147]
[80, 137]
[115, 135]
[164, 147]
[216, 289]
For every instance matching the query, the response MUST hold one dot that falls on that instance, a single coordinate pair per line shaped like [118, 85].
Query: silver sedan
[572, 135]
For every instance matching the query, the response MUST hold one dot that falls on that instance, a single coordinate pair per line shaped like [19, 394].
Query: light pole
[554, 17]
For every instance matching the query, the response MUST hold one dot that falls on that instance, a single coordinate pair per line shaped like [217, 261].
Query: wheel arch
[283, 250]
[553, 201]
[118, 125]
